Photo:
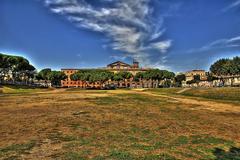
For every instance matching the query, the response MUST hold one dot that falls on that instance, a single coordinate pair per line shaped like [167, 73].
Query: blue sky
[178, 35]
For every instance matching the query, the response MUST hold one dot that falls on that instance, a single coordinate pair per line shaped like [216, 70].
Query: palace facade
[190, 75]
[114, 67]
[220, 81]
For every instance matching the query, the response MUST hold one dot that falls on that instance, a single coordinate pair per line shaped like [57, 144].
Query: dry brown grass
[121, 124]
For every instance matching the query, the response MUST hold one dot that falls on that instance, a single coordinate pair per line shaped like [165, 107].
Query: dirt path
[53, 91]
[200, 104]
[183, 90]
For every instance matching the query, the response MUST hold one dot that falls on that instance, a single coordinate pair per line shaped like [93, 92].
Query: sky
[177, 35]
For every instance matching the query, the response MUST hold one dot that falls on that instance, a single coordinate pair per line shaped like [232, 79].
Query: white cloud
[162, 46]
[157, 34]
[127, 23]
[224, 43]
[232, 5]
[117, 57]
[234, 39]
[219, 44]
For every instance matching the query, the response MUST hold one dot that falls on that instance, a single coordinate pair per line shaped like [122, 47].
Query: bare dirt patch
[120, 124]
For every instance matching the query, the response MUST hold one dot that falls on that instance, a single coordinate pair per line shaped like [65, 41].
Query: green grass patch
[131, 100]
[76, 126]
[121, 155]
[73, 156]
[107, 100]
[209, 140]
[142, 147]
[181, 140]
[11, 89]
[82, 90]
[99, 158]
[226, 93]
[165, 90]
[77, 142]
[15, 150]
[59, 137]
[19, 148]
[232, 154]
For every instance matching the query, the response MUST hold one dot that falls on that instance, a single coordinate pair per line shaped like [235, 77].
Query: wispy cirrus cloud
[162, 46]
[233, 42]
[204, 56]
[127, 23]
[235, 4]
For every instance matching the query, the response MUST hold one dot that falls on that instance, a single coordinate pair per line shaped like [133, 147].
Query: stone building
[203, 79]
[114, 67]
[231, 80]
[68, 82]
[219, 81]
[119, 66]
[42, 83]
[190, 75]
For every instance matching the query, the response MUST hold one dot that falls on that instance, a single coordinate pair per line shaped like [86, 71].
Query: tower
[135, 64]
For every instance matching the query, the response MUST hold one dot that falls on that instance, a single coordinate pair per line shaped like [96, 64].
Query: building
[42, 83]
[190, 75]
[119, 66]
[203, 75]
[68, 82]
[7, 76]
[114, 67]
[231, 80]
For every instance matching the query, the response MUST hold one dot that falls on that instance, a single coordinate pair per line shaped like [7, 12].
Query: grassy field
[9, 89]
[119, 125]
[231, 94]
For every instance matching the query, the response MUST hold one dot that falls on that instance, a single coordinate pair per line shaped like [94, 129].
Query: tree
[218, 67]
[224, 67]
[3, 66]
[232, 154]
[105, 76]
[56, 76]
[179, 78]
[139, 76]
[23, 69]
[126, 75]
[153, 74]
[167, 83]
[236, 65]
[92, 76]
[44, 74]
[120, 76]
[211, 77]
[196, 79]
[18, 67]
[167, 75]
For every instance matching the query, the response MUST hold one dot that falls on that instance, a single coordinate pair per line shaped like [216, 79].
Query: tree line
[226, 67]
[18, 69]
[103, 76]
[54, 76]
[15, 68]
